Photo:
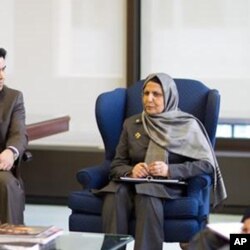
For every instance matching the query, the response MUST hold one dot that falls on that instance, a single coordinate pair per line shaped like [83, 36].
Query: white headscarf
[180, 133]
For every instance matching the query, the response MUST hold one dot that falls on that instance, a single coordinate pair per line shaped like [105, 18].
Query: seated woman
[163, 142]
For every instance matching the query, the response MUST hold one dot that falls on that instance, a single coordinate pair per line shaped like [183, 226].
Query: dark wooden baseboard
[229, 209]
[51, 175]
[46, 200]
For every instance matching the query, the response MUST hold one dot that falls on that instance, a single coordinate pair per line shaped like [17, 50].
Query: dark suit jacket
[12, 120]
[132, 149]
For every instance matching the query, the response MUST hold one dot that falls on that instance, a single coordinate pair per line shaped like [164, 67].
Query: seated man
[13, 142]
[208, 240]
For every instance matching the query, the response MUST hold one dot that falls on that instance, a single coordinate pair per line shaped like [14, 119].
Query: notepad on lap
[153, 180]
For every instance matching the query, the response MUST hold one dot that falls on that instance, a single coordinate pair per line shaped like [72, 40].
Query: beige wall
[200, 39]
[62, 54]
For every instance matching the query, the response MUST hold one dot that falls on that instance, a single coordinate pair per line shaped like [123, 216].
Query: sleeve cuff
[15, 152]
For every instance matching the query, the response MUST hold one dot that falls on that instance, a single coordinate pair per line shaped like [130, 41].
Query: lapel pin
[137, 135]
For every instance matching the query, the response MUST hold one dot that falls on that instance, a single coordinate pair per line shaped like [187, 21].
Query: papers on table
[224, 229]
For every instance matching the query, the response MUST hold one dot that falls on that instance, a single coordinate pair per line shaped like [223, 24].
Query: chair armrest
[27, 156]
[94, 177]
[199, 184]
[199, 187]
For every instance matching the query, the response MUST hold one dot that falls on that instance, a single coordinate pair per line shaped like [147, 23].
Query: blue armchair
[184, 217]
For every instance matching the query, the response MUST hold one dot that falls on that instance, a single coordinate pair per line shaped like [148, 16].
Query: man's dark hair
[3, 53]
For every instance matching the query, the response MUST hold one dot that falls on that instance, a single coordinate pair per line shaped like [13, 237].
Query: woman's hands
[140, 170]
[157, 168]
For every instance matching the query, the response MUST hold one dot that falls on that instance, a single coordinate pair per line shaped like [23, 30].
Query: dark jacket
[12, 120]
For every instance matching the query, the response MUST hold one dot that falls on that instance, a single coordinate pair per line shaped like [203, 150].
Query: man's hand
[158, 168]
[6, 160]
[140, 170]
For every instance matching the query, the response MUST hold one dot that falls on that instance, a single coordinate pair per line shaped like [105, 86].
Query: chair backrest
[113, 107]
